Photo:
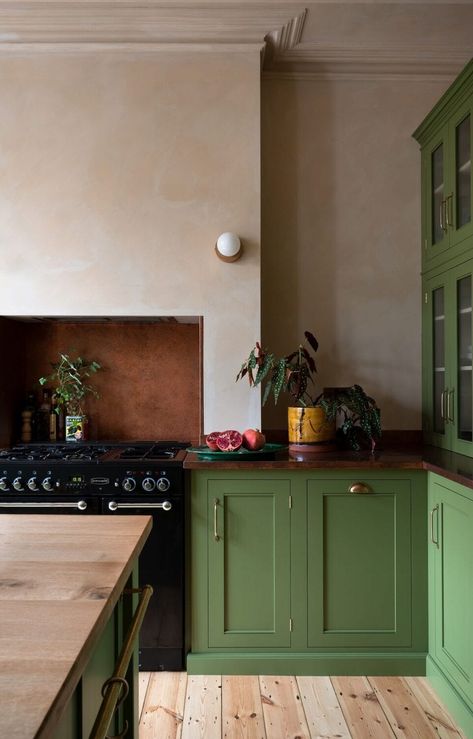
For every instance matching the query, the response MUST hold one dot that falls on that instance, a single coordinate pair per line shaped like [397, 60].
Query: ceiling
[314, 40]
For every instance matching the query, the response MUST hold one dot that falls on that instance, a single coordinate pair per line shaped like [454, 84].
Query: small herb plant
[69, 381]
[357, 413]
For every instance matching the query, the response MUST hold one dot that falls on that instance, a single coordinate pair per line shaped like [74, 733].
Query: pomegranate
[253, 439]
[211, 440]
[229, 441]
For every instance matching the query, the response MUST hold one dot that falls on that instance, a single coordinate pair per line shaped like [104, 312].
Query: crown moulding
[275, 29]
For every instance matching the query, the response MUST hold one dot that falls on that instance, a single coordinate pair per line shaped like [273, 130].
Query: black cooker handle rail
[81, 505]
[114, 506]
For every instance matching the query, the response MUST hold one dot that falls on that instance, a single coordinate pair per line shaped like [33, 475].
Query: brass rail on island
[115, 689]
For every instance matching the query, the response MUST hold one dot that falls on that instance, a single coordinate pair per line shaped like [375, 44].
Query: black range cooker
[142, 478]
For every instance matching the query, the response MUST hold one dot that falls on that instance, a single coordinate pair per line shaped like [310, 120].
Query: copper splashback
[150, 386]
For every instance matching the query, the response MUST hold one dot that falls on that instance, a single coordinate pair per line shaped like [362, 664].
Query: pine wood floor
[173, 705]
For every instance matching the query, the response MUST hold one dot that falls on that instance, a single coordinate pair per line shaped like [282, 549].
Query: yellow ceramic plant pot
[309, 429]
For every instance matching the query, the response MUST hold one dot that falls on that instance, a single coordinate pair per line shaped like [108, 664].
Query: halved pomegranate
[211, 440]
[229, 441]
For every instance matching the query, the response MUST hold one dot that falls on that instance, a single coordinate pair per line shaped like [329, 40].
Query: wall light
[228, 247]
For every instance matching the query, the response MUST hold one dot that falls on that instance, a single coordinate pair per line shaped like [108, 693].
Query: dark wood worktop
[452, 466]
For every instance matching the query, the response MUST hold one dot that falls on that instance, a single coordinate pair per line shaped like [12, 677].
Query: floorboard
[176, 706]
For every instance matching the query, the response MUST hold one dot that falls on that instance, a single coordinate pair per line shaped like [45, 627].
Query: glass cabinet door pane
[439, 359]
[463, 172]
[438, 188]
[464, 339]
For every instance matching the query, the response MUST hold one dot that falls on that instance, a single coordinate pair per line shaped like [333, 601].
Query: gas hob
[108, 467]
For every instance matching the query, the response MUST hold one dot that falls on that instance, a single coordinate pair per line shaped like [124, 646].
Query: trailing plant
[69, 381]
[356, 413]
[358, 416]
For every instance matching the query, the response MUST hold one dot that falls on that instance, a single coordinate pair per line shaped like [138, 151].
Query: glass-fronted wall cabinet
[447, 358]
[446, 139]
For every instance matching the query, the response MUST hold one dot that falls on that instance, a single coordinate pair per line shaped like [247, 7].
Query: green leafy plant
[357, 414]
[293, 373]
[69, 382]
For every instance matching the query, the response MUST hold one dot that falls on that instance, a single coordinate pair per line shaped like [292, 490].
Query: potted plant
[70, 387]
[312, 418]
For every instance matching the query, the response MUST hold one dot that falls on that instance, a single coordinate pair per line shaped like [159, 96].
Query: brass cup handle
[216, 536]
[359, 488]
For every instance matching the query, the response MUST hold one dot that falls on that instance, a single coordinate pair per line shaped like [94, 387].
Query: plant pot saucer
[313, 448]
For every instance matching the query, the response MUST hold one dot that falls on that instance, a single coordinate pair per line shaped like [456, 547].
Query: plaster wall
[341, 234]
[118, 171]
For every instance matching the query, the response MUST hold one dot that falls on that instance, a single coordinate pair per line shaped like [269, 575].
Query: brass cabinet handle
[450, 416]
[115, 689]
[442, 405]
[449, 210]
[432, 539]
[360, 488]
[441, 216]
[216, 536]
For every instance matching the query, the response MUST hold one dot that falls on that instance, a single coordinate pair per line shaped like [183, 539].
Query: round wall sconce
[228, 247]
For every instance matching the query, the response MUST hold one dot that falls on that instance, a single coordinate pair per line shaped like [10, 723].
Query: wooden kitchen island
[61, 578]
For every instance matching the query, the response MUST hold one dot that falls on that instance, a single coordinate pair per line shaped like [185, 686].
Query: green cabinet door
[447, 359]
[248, 563]
[451, 581]
[436, 188]
[359, 564]
[446, 139]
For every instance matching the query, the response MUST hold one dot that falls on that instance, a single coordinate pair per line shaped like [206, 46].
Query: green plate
[267, 452]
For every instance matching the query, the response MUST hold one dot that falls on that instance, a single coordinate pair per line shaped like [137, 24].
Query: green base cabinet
[292, 572]
[451, 587]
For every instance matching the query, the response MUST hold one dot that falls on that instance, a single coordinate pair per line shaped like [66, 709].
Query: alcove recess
[150, 386]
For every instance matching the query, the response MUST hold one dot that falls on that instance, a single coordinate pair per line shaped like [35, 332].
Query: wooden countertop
[60, 578]
[452, 466]
[395, 458]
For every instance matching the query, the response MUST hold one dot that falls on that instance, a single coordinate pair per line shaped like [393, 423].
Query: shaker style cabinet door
[359, 563]
[450, 581]
[248, 563]
[446, 140]
[447, 359]
[436, 188]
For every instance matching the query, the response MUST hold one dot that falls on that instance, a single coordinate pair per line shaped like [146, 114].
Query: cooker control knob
[18, 484]
[47, 484]
[148, 484]
[32, 484]
[3, 483]
[163, 484]
[129, 484]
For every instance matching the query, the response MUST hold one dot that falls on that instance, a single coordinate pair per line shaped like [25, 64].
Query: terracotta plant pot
[309, 429]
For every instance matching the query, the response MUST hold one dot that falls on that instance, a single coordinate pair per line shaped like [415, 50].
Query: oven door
[161, 564]
[64, 504]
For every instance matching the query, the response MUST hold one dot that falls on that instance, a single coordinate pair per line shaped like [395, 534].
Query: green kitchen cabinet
[301, 572]
[359, 553]
[451, 582]
[446, 139]
[248, 540]
[447, 359]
